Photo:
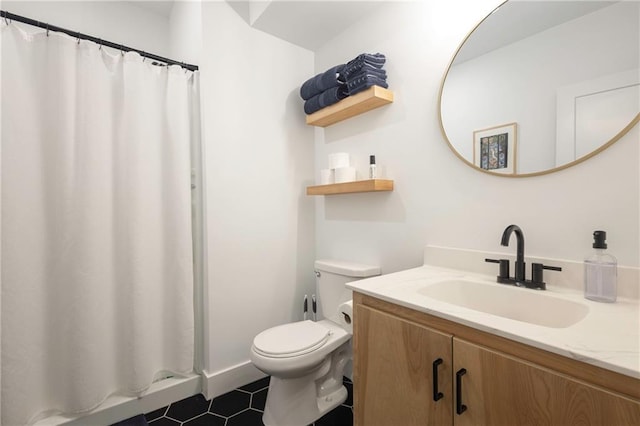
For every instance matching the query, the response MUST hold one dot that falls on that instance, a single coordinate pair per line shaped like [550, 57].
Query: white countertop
[607, 337]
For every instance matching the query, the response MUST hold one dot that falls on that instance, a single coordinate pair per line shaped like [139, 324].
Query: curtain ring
[47, 30]
[100, 43]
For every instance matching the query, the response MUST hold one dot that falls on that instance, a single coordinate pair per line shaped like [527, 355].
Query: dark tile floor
[241, 407]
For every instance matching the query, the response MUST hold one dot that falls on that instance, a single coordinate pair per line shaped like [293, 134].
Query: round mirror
[539, 86]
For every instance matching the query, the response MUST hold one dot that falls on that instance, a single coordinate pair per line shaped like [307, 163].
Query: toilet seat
[291, 340]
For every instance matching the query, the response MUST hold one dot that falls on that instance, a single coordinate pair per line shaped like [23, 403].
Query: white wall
[185, 31]
[259, 159]
[506, 85]
[121, 22]
[437, 199]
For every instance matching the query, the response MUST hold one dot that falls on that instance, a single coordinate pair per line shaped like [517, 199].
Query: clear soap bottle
[600, 272]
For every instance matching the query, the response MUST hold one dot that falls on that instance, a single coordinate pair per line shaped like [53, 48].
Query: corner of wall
[223, 381]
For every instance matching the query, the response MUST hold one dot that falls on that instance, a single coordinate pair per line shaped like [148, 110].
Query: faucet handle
[504, 268]
[536, 273]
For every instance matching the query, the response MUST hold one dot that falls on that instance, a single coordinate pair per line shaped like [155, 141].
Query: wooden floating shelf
[373, 97]
[370, 185]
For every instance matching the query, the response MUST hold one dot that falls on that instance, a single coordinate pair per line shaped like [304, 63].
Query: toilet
[306, 359]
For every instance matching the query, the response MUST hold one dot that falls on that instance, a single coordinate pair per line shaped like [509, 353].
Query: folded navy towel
[356, 71]
[376, 59]
[363, 81]
[357, 66]
[326, 98]
[321, 82]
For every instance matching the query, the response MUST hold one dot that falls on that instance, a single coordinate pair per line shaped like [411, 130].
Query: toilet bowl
[306, 379]
[297, 348]
[306, 359]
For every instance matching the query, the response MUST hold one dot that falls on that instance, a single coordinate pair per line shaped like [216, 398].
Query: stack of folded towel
[344, 80]
[365, 71]
[324, 89]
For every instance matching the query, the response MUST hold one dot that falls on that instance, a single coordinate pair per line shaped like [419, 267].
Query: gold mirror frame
[606, 145]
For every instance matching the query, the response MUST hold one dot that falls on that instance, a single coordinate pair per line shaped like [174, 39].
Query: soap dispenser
[600, 272]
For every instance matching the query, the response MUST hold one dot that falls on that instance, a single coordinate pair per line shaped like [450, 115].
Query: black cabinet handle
[460, 407]
[436, 395]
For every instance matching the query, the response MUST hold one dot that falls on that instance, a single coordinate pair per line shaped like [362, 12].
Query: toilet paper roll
[326, 176]
[346, 315]
[345, 174]
[338, 159]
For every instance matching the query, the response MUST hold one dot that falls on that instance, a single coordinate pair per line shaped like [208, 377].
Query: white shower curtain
[97, 275]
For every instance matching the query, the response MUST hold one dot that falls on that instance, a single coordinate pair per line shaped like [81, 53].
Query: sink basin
[530, 306]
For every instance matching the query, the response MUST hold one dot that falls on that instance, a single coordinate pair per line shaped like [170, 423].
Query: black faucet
[519, 249]
[519, 279]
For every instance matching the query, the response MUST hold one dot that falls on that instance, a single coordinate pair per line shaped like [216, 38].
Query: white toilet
[306, 359]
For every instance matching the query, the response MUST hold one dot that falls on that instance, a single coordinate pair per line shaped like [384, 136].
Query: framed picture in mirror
[494, 148]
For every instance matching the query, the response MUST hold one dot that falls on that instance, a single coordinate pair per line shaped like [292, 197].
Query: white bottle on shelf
[372, 167]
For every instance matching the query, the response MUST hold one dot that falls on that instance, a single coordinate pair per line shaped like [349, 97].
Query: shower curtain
[97, 271]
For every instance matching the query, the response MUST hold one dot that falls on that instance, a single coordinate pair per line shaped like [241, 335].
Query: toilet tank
[331, 277]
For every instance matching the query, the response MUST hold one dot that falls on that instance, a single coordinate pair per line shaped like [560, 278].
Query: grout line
[159, 417]
[193, 418]
[239, 412]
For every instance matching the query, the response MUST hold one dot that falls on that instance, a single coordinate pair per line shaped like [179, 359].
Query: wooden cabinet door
[393, 371]
[500, 390]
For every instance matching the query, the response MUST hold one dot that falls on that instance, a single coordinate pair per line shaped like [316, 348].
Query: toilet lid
[292, 339]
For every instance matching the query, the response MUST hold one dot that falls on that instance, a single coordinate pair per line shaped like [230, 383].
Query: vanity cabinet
[499, 381]
[396, 360]
[501, 390]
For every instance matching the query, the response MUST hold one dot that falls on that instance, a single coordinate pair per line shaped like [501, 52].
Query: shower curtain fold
[97, 263]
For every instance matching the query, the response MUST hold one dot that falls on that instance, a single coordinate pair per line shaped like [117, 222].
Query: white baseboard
[117, 408]
[161, 394]
[223, 381]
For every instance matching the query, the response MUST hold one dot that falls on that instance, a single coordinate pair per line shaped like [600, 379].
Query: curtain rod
[48, 27]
